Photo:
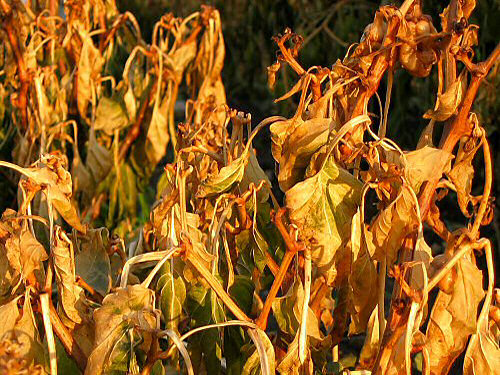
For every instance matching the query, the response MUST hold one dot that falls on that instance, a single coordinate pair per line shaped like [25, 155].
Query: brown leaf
[121, 311]
[89, 69]
[72, 296]
[453, 317]
[483, 353]
[448, 102]
[392, 225]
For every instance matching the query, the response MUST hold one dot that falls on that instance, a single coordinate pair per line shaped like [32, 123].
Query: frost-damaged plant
[192, 289]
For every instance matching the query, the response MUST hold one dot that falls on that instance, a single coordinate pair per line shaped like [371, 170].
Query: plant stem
[68, 342]
[459, 127]
[194, 259]
[291, 249]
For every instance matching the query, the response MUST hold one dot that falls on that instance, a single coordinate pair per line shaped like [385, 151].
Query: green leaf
[227, 177]
[287, 311]
[322, 206]
[172, 297]
[242, 292]
[92, 260]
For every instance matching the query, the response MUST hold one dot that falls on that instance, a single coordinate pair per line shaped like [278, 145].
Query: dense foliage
[219, 275]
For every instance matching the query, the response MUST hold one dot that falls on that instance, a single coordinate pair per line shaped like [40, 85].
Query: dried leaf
[298, 148]
[483, 353]
[72, 296]
[90, 65]
[448, 102]
[157, 135]
[426, 163]
[392, 225]
[453, 317]
[110, 115]
[114, 322]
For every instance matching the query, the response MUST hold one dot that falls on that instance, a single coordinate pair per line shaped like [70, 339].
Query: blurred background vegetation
[329, 28]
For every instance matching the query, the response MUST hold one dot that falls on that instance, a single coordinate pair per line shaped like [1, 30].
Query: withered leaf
[91, 259]
[448, 102]
[363, 283]
[99, 159]
[51, 175]
[298, 148]
[120, 312]
[322, 207]
[483, 353]
[110, 115]
[426, 163]
[453, 317]
[392, 225]
[227, 177]
[157, 135]
[288, 312]
[89, 69]
[24, 252]
[72, 295]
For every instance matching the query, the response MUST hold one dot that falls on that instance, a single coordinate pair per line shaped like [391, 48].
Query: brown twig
[458, 127]
[292, 248]
[93, 293]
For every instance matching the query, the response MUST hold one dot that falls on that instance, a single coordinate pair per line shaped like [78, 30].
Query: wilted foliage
[218, 276]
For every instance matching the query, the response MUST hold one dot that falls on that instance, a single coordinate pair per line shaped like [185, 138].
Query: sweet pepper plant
[218, 275]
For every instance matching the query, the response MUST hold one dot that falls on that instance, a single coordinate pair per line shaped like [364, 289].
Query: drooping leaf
[172, 297]
[72, 296]
[99, 160]
[392, 225]
[90, 65]
[453, 317]
[322, 207]
[227, 177]
[91, 259]
[287, 311]
[448, 102]
[253, 364]
[114, 323]
[24, 252]
[157, 135]
[426, 163]
[363, 283]
[110, 115]
[483, 353]
[298, 148]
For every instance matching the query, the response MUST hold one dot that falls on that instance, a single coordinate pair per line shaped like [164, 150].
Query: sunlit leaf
[322, 207]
